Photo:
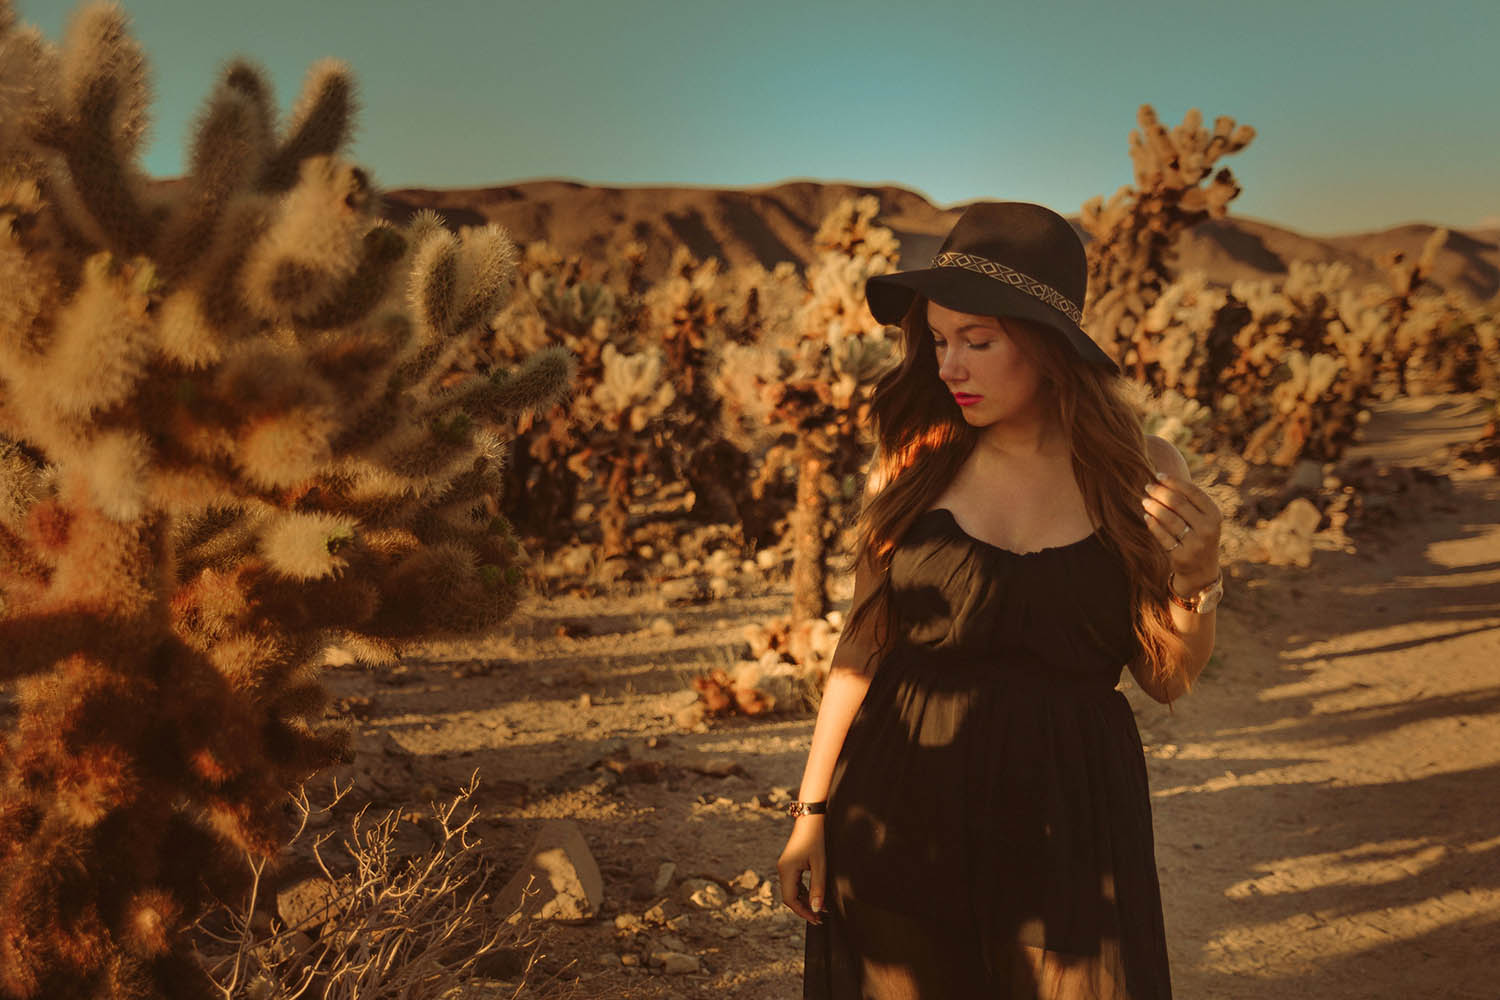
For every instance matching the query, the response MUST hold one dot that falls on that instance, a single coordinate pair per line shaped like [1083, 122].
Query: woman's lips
[966, 399]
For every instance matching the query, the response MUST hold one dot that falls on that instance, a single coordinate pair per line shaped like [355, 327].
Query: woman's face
[982, 364]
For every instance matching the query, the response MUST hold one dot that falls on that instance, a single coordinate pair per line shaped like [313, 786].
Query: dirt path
[1325, 802]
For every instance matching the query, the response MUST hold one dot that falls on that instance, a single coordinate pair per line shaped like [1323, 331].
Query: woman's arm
[1171, 506]
[843, 693]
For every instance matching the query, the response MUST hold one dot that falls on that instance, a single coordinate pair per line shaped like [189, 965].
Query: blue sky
[1369, 114]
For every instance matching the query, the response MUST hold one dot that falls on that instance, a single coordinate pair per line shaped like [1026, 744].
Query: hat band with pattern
[994, 269]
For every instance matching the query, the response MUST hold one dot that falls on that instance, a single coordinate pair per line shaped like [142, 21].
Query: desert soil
[1326, 801]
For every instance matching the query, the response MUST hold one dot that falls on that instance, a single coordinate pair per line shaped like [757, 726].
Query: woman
[974, 812]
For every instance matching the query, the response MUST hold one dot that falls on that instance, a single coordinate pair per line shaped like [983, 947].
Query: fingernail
[1161, 476]
[817, 902]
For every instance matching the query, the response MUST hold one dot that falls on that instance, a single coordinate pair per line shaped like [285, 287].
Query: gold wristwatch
[1204, 600]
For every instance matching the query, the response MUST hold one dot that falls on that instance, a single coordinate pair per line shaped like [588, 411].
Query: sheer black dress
[989, 823]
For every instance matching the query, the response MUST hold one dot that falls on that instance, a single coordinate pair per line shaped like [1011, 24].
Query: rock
[765, 894]
[703, 894]
[746, 880]
[690, 716]
[670, 942]
[675, 963]
[741, 909]
[1286, 539]
[664, 875]
[835, 618]
[630, 960]
[309, 903]
[566, 884]
[585, 701]
[662, 626]
[682, 590]
[728, 931]
[646, 552]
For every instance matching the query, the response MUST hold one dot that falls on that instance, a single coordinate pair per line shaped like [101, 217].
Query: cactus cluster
[241, 418]
[1134, 233]
[800, 392]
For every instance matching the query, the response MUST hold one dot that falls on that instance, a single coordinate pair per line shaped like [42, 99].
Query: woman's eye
[979, 346]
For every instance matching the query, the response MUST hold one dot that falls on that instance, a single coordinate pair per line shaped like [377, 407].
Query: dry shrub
[397, 927]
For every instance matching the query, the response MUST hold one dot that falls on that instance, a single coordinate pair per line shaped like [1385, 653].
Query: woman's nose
[949, 367]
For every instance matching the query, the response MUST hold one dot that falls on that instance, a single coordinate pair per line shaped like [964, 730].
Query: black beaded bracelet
[800, 808]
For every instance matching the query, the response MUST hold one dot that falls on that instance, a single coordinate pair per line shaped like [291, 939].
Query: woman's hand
[1186, 521]
[803, 852]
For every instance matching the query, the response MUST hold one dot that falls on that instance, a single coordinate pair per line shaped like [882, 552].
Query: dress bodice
[1057, 614]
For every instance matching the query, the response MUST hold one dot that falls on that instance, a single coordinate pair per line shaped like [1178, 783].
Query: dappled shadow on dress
[989, 829]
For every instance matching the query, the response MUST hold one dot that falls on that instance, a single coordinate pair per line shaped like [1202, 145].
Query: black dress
[989, 824]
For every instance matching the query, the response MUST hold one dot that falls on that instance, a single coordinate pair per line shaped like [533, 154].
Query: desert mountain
[777, 222]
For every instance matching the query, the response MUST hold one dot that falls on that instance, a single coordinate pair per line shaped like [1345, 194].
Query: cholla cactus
[233, 428]
[626, 408]
[1134, 233]
[801, 392]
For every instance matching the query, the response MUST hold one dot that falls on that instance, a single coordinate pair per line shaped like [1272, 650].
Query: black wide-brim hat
[1003, 258]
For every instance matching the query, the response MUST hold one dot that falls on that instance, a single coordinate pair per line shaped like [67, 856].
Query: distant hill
[777, 222]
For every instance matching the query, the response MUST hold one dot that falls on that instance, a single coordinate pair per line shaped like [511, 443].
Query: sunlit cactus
[800, 393]
[237, 423]
[1135, 231]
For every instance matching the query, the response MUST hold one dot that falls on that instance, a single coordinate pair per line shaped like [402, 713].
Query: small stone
[679, 923]
[585, 701]
[681, 590]
[662, 626]
[729, 931]
[630, 960]
[646, 551]
[311, 902]
[690, 717]
[562, 873]
[704, 894]
[627, 922]
[747, 880]
[677, 964]
[664, 875]
[671, 942]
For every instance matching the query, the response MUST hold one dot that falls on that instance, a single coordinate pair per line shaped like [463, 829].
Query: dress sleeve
[858, 645]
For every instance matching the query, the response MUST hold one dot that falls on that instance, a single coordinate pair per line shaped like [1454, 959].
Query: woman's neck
[1026, 440]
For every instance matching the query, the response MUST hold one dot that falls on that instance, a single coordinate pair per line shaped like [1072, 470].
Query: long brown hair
[922, 440]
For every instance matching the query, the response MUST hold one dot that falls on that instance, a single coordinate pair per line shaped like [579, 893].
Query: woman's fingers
[790, 876]
[815, 888]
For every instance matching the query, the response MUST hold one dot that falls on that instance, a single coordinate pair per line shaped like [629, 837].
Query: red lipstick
[966, 399]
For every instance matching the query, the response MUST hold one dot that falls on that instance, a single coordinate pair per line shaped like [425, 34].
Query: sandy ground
[1327, 801]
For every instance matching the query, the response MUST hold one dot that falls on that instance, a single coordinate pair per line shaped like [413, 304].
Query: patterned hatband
[994, 269]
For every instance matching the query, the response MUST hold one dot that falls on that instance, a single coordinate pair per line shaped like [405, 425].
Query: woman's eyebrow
[966, 326]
